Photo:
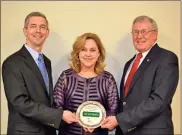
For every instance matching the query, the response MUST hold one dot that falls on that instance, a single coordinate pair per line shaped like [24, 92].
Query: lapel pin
[148, 60]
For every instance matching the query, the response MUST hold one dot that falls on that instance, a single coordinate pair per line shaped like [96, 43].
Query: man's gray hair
[143, 18]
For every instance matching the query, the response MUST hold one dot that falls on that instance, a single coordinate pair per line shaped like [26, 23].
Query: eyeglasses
[143, 32]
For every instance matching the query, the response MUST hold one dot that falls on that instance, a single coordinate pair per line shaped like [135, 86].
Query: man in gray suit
[28, 84]
[147, 87]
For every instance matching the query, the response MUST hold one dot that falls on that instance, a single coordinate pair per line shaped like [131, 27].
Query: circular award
[90, 114]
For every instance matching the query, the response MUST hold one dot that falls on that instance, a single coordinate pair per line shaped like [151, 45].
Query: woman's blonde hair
[78, 46]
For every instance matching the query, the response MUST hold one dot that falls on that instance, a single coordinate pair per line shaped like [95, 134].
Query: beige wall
[110, 20]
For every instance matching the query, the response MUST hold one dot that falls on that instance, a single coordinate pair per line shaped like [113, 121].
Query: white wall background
[111, 21]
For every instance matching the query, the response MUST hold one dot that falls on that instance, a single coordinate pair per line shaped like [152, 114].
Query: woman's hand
[69, 117]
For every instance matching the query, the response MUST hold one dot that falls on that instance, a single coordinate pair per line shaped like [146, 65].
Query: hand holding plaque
[90, 114]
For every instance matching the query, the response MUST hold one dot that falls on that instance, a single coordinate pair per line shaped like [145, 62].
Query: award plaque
[90, 114]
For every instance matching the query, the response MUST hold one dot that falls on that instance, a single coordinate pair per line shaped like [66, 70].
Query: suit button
[124, 103]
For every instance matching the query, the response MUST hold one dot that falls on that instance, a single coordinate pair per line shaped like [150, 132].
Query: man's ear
[25, 31]
[156, 35]
[48, 31]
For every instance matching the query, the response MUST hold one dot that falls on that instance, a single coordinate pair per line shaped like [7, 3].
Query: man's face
[36, 32]
[144, 36]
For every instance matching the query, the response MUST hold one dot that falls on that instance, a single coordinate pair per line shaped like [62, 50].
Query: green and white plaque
[90, 114]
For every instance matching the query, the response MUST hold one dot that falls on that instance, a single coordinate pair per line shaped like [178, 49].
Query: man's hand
[69, 117]
[109, 123]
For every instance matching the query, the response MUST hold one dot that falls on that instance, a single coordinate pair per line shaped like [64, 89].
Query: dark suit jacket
[146, 108]
[29, 105]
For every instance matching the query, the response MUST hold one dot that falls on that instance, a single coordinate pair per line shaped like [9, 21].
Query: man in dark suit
[28, 84]
[147, 87]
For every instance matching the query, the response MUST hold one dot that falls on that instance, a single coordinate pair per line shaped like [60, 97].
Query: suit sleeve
[163, 89]
[18, 97]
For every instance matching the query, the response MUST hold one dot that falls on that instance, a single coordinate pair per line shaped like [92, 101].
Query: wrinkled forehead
[38, 20]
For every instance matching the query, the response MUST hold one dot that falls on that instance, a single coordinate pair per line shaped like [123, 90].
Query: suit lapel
[139, 71]
[122, 84]
[48, 67]
[152, 55]
[31, 63]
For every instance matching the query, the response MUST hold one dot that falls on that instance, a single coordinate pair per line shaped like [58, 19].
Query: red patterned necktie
[132, 72]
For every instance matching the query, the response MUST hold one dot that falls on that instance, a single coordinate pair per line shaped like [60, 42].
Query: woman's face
[89, 54]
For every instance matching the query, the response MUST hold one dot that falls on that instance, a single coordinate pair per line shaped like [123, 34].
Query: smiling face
[36, 32]
[144, 35]
[89, 55]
